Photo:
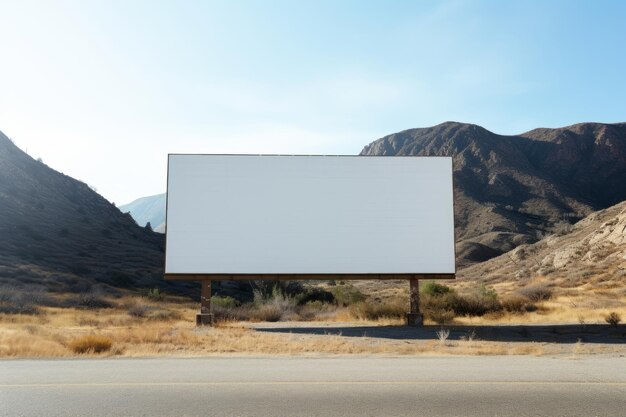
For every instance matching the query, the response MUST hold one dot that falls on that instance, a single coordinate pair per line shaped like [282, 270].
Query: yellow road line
[256, 383]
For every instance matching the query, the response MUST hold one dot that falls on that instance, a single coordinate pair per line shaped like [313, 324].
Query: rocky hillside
[591, 254]
[58, 233]
[513, 190]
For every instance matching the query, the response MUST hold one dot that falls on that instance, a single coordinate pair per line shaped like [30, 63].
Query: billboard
[236, 216]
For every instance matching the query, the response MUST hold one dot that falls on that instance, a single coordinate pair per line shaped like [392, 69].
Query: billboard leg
[205, 317]
[414, 317]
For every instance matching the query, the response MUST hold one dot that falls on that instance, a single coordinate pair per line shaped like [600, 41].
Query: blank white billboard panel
[258, 214]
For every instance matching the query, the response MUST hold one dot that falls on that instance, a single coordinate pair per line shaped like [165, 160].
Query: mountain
[148, 209]
[591, 255]
[58, 233]
[513, 190]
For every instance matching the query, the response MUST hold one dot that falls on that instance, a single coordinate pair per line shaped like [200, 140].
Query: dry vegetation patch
[154, 324]
[90, 344]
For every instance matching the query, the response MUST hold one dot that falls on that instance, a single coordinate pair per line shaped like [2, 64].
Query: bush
[441, 316]
[536, 292]
[154, 294]
[374, 310]
[138, 309]
[517, 304]
[267, 289]
[92, 300]
[477, 303]
[275, 307]
[314, 309]
[434, 289]
[267, 312]
[613, 318]
[314, 294]
[218, 301]
[346, 295]
[91, 344]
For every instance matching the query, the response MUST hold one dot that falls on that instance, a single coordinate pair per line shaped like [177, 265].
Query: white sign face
[257, 214]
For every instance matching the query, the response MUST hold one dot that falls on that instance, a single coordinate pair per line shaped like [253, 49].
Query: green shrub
[434, 289]
[346, 295]
[478, 302]
[154, 294]
[223, 302]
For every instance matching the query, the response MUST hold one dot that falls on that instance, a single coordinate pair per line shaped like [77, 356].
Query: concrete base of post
[414, 319]
[204, 319]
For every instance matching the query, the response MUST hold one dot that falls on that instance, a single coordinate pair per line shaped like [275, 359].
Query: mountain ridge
[513, 189]
[56, 232]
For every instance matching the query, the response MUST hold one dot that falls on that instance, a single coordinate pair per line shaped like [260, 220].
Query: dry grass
[92, 343]
[167, 329]
[66, 332]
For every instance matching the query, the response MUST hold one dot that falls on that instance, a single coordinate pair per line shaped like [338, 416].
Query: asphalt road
[338, 386]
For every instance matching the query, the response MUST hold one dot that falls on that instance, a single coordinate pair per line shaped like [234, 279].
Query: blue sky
[103, 90]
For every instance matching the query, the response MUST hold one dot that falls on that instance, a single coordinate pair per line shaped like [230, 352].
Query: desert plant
[272, 307]
[218, 301]
[313, 309]
[154, 294]
[90, 344]
[434, 289]
[613, 318]
[346, 295]
[442, 335]
[92, 300]
[479, 302]
[372, 310]
[516, 303]
[441, 316]
[267, 312]
[536, 292]
[138, 309]
[314, 294]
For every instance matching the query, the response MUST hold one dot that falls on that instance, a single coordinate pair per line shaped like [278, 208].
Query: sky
[104, 90]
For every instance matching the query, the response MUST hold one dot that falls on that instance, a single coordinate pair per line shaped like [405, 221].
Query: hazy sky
[103, 90]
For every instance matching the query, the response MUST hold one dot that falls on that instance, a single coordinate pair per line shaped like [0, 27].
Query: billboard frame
[414, 317]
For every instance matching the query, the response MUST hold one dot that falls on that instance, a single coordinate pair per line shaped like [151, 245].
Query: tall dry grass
[62, 335]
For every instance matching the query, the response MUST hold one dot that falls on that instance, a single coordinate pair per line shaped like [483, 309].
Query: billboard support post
[414, 317]
[205, 317]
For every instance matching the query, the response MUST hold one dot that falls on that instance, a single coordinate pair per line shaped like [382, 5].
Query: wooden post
[205, 318]
[414, 317]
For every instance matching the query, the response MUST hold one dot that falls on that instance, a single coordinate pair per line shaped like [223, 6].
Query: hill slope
[57, 232]
[512, 190]
[148, 209]
[592, 255]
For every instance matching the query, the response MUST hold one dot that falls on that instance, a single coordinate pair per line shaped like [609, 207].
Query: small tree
[149, 226]
[613, 318]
